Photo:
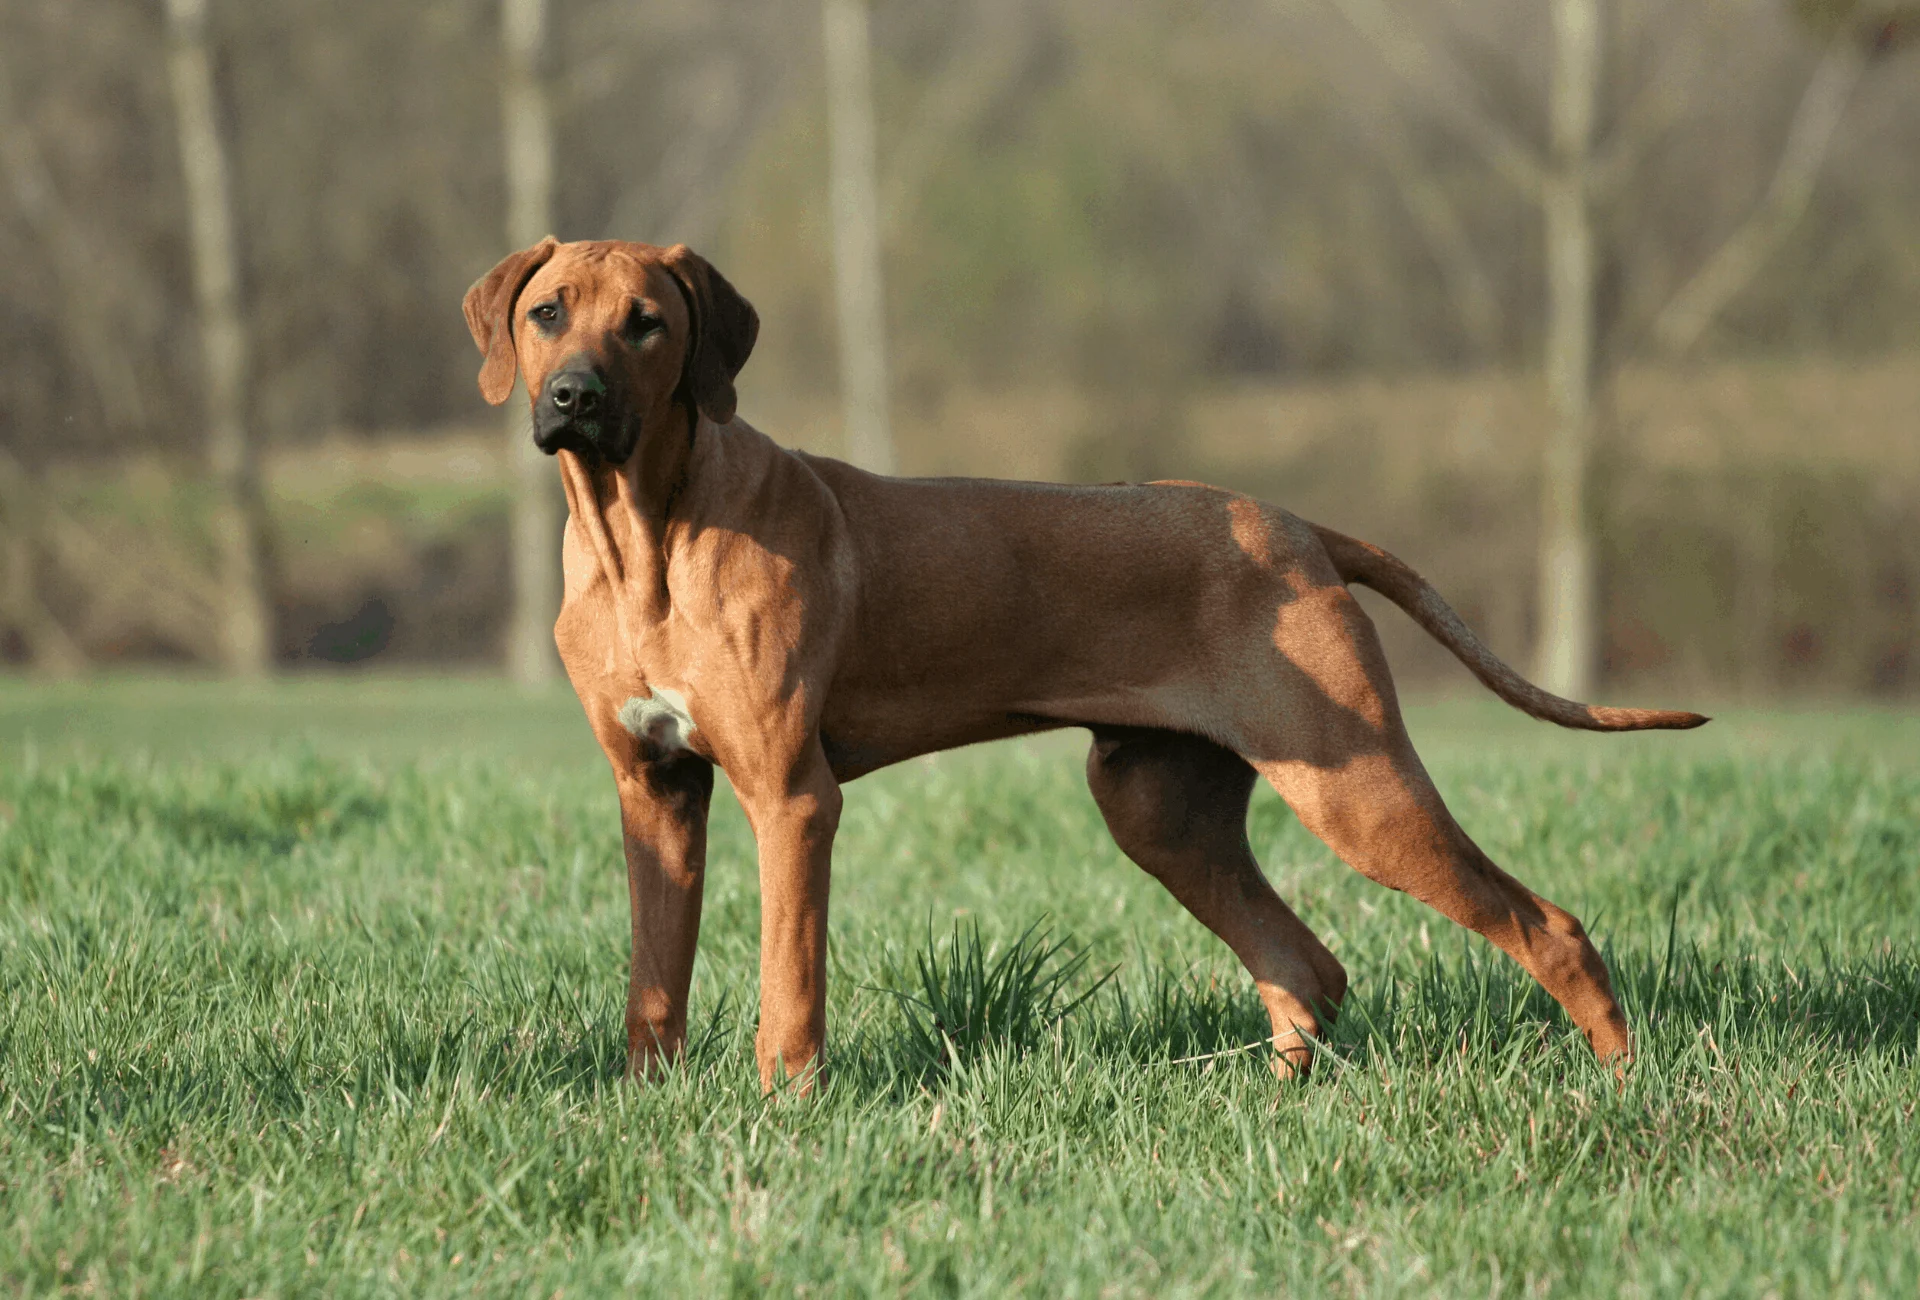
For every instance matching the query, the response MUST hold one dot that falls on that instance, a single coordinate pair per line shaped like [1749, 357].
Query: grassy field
[315, 989]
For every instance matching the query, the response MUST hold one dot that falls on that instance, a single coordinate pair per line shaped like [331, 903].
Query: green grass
[315, 989]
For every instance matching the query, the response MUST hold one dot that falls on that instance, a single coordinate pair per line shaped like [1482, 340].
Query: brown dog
[800, 622]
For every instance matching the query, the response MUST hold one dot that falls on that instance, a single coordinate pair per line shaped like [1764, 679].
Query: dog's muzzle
[574, 412]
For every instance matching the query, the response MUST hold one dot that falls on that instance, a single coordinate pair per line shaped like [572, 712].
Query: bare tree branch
[1659, 106]
[675, 202]
[730, 90]
[92, 344]
[995, 51]
[1740, 257]
[1448, 241]
[1508, 155]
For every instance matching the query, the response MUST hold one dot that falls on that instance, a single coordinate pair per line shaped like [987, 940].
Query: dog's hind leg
[1344, 763]
[1389, 824]
[1177, 805]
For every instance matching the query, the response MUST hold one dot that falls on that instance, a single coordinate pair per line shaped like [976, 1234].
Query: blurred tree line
[1139, 203]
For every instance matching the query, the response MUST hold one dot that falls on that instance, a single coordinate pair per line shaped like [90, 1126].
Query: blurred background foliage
[1212, 239]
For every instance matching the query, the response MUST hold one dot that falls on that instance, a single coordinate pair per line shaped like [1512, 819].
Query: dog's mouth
[595, 441]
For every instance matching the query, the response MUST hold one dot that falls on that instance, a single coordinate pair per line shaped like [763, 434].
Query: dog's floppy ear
[724, 328]
[489, 309]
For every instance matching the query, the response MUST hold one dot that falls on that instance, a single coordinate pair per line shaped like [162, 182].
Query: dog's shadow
[1481, 1006]
[1416, 1015]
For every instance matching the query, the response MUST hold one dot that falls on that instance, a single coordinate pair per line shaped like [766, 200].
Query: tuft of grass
[973, 999]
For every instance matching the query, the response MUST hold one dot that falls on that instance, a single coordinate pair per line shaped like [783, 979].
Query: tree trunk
[856, 235]
[535, 514]
[1566, 654]
[239, 510]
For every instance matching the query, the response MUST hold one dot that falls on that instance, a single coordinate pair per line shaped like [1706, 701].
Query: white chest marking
[660, 718]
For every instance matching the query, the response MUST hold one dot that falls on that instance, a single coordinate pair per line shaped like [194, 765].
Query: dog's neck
[625, 511]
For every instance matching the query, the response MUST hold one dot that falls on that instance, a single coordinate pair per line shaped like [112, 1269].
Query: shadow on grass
[1854, 1005]
[1484, 1004]
[259, 811]
[552, 1049]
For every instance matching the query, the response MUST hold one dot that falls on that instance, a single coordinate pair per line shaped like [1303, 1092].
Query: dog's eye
[547, 313]
[639, 324]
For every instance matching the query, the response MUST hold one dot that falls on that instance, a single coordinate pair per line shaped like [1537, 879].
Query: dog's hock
[659, 718]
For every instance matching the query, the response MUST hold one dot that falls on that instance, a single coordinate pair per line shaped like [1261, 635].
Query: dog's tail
[1364, 563]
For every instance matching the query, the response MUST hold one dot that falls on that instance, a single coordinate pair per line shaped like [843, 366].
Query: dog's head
[612, 338]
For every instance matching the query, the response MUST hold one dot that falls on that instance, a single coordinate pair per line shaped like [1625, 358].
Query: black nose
[576, 394]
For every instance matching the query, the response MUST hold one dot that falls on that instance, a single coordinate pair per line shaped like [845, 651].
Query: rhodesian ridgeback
[800, 622]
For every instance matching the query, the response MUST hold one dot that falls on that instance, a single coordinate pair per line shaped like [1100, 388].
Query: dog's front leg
[663, 820]
[794, 815]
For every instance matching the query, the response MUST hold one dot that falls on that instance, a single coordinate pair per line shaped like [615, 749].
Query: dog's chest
[659, 720]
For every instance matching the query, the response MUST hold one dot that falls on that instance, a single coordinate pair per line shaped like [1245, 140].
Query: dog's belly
[865, 741]
[872, 724]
